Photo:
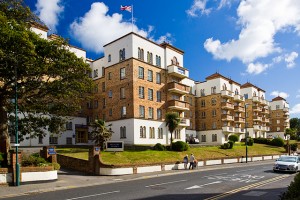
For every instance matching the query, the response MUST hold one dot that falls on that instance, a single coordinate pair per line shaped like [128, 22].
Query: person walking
[192, 159]
[185, 161]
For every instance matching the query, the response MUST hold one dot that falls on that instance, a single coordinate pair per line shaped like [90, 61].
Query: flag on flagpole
[127, 8]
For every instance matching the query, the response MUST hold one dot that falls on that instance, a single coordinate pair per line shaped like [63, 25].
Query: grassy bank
[151, 156]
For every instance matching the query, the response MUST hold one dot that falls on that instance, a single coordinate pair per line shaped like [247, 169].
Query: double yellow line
[247, 187]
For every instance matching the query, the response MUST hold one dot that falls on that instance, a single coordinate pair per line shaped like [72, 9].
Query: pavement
[72, 179]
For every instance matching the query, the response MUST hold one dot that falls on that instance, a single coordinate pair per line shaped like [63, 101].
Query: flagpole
[132, 17]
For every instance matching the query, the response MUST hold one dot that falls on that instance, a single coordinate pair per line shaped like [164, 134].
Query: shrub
[233, 138]
[180, 146]
[56, 165]
[293, 191]
[262, 140]
[34, 160]
[250, 141]
[225, 146]
[230, 144]
[1, 159]
[159, 147]
[294, 147]
[277, 142]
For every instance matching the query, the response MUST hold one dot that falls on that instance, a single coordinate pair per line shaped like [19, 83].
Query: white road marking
[93, 195]
[245, 170]
[165, 183]
[201, 186]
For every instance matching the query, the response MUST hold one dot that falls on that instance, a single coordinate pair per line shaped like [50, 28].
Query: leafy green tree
[100, 133]
[51, 80]
[295, 123]
[172, 122]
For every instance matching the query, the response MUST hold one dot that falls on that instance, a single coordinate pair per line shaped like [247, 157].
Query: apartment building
[138, 81]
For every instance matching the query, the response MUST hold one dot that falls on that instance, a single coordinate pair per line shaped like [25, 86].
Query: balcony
[257, 127]
[239, 98]
[184, 122]
[265, 128]
[239, 130]
[239, 120]
[228, 129]
[256, 99]
[285, 109]
[239, 109]
[226, 105]
[266, 120]
[178, 71]
[178, 105]
[257, 118]
[226, 117]
[265, 110]
[257, 108]
[226, 93]
[178, 88]
[264, 102]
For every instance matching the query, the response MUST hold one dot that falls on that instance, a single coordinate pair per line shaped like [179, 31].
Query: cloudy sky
[246, 40]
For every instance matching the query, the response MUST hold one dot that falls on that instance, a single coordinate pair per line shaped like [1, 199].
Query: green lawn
[152, 157]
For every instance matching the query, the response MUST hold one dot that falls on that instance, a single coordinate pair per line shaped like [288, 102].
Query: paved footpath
[72, 179]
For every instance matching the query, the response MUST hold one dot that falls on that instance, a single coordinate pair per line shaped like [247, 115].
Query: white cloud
[48, 12]
[256, 68]
[290, 59]
[260, 21]
[281, 94]
[96, 28]
[298, 95]
[295, 109]
[224, 3]
[199, 6]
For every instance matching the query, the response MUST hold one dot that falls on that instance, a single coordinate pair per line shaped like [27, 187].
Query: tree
[172, 122]
[101, 133]
[51, 81]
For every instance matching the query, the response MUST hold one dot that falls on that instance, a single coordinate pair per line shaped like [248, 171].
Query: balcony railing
[178, 71]
[257, 108]
[285, 109]
[226, 93]
[264, 102]
[178, 105]
[184, 122]
[228, 129]
[226, 117]
[178, 88]
[239, 98]
[226, 105]
[266, 120]
[256, 99]
[257, 118]
[265, 110]
[239, 109]
[239, 130]
[239, 120]
[257, 127]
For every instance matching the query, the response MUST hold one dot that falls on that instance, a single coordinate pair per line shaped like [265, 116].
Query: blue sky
[250, 40]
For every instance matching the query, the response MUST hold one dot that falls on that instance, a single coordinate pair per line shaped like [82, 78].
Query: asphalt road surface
[249, 181]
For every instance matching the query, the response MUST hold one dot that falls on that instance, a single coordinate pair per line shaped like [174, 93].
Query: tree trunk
[171, 140]
[4, 136]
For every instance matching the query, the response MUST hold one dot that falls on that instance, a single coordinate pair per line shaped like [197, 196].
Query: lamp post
[16, 130]
[246, 133]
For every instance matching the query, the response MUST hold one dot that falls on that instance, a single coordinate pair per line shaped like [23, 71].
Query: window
[81, 137]
[214, 112]
[141, 54]
[109, 75]
[104, 103]
[122, 54]
[151, 133]
[158, 78]
[150, 113]
[142, 111]
[203, 126]
[141, 92]
[214, 125]
[123, 132]
[214, 138]
[177, 134]
[158, 96]
[203, 115]
[278, 121]
[202, 103]
[277, 107]
[254, 94]
[109, 58]
[236, 91]
[224, 87]
[150, 75]
[278, 128]
[110, 112]
[158, 61]
[203, 138]
[40, 139]
[150, 94]
[123, 111]
[159, 114]
[246, 96]
[95, 103]
[149, 57]
[122, 73]
[69, 141]
[141, 72]
[190, 100]
[160, 133]
[122, 93]
[103, 86]
[110, 93]
[142, 132]
[202, 91]
[213, 101]
[69, 126]
[95, 73]
[213, 90]
[53, 140]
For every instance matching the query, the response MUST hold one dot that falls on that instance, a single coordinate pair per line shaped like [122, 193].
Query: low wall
[74, 163]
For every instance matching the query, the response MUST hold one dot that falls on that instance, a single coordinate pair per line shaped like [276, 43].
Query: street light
[16, 130]
[246, 133]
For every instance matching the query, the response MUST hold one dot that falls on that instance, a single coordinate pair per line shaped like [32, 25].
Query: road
[248, 181]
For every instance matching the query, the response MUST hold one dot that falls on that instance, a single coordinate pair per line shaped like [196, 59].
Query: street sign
[51, 151]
